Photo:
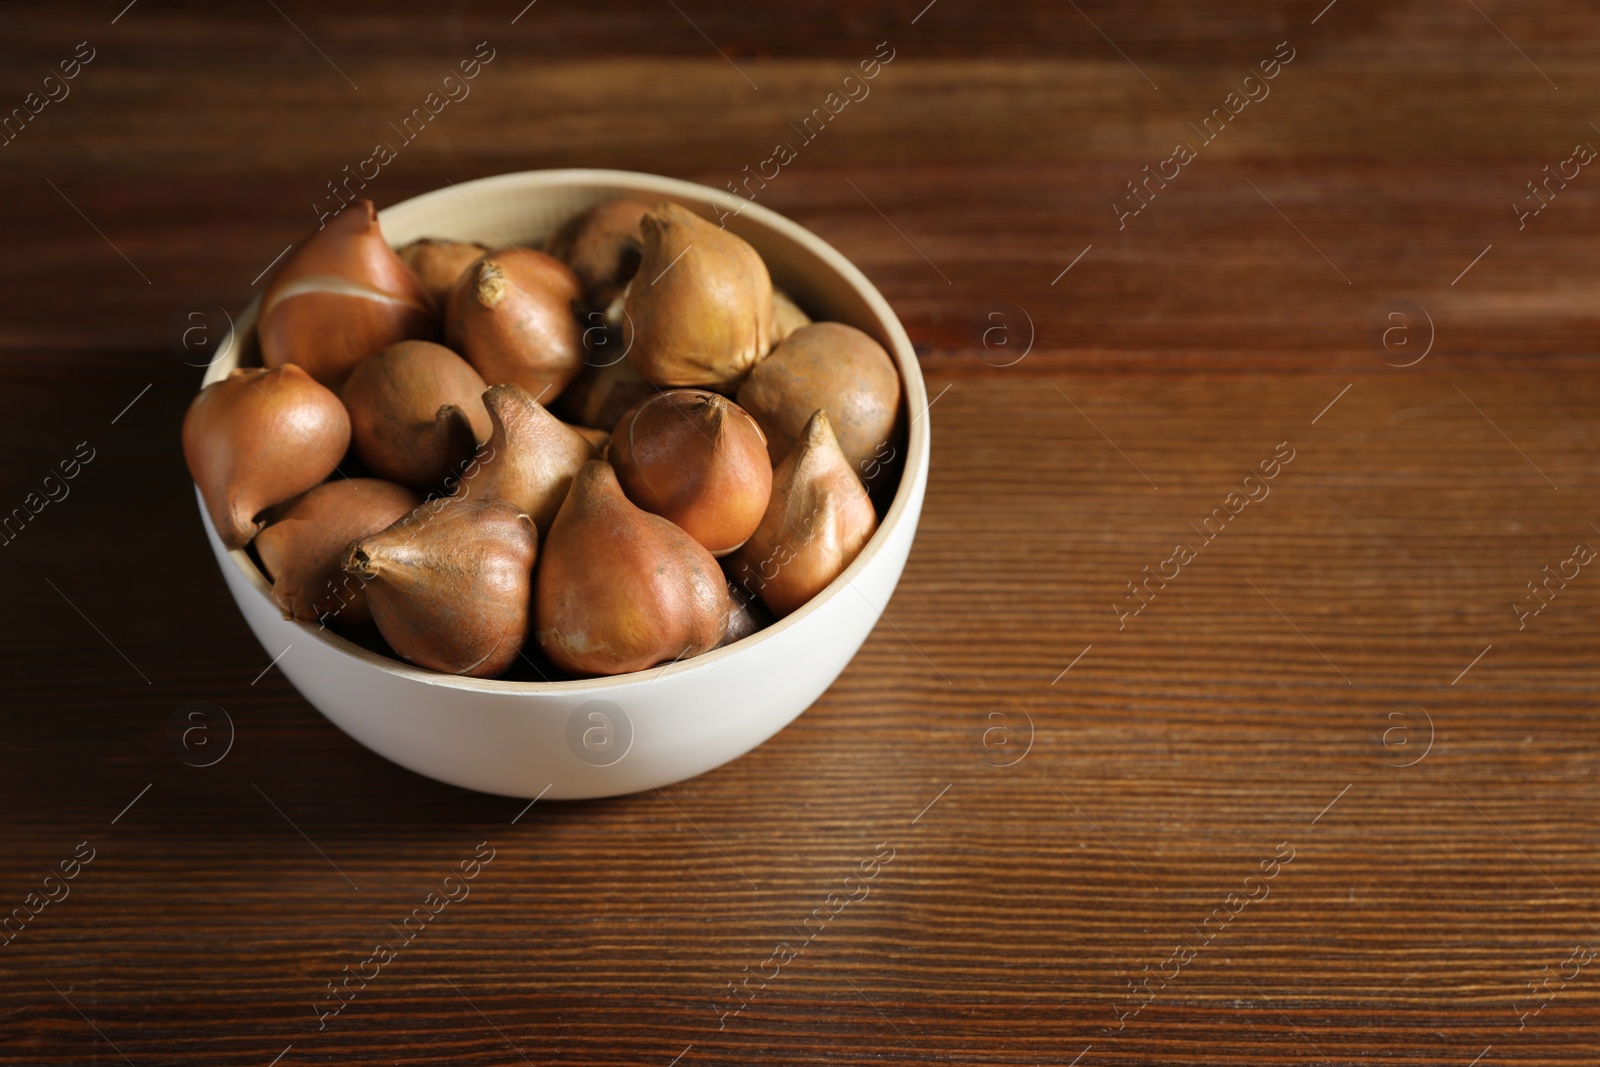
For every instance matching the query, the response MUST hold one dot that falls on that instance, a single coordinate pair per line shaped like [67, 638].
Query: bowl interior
[526, 208]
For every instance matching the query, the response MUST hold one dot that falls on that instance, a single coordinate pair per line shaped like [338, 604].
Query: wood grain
[1069, 794]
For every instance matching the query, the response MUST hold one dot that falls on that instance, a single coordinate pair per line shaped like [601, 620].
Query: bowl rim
[696, 195]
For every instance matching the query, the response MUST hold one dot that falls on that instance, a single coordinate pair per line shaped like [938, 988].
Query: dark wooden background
[1271, 694]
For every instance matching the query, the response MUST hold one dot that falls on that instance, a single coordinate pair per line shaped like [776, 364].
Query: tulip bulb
[303, 548]
[257, 438]
[700, 307]
[416, 412]
[603, 246]
[746, 615]
[450, 585]
[620, 589]
[439, 264]
[600, 439]
[511, 317]
[340, 297]
[697, 459]
[816, 524]
[602, 394]
[531, 457]
[786, 317]
[837, 368]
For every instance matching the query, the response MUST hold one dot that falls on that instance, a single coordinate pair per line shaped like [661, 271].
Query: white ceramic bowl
[603, 736]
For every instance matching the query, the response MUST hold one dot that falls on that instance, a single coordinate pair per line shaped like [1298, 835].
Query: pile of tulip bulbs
[620, 450]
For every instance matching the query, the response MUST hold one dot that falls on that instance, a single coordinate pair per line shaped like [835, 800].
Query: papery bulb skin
[817, 522]
[787, 317]
[416, 413]
[600, 439]
[602, 394]
[603, 246]
[257, 438]
[304, 546]
[450, 585]
[699, 311]
[341, 296]
[620, 589]
[839, 369]
[439, 264]
[531, 456]
[746, 615]
[511, 316]
[697, 459]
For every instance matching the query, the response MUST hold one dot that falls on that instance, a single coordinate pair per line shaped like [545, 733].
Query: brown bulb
[439, 263]
[839, 369]
[599, 438]
[511, 317]
[340, 297]
[786, 316]
[603, 246]
[815, 526]
[257, 438]
[620, 589]
[746, 615]
[303, 548]
[700, 308]
[697, 459]
[602, 394]
[531, 456]
[450, 585]
[416, 412]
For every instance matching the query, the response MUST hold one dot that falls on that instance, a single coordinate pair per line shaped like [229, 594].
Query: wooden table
[1326, 798]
